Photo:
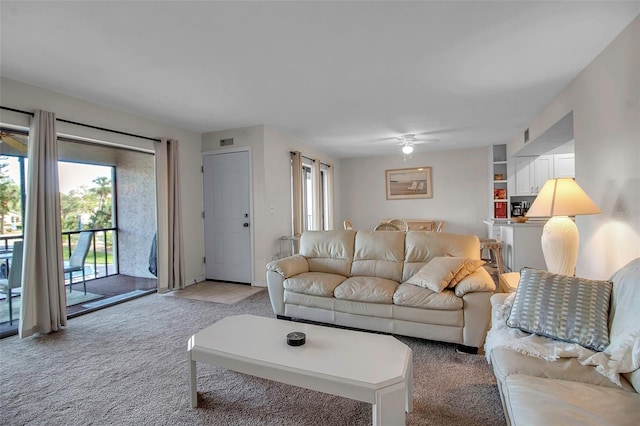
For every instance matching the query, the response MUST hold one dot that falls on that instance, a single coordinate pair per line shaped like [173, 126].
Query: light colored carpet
[75, 297]
[127, 365]
[218, 292]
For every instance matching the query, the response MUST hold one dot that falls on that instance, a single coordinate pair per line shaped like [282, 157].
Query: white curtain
[328, 169]
[169, 212]
[43, 301]
[316, 182]
[296, 188]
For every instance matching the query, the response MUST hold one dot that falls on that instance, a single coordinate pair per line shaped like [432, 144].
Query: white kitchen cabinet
[530, 173]
[543, 171]
[564, 165]
[521, 246]
[523, 175]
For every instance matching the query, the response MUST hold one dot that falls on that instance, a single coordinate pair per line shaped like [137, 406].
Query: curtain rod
[85, 125]
[303, 156]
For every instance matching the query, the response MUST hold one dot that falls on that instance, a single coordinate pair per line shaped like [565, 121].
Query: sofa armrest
[289, 266]
[277, 272]
[276, 291]
[478, 281]
[477, 318]
[497, 309]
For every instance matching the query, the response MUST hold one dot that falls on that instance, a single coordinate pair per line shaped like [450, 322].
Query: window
[312, 184]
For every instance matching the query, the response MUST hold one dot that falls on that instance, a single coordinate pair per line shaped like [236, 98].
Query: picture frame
[410, 183]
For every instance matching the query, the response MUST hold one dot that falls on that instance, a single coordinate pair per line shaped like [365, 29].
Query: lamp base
[560, 245]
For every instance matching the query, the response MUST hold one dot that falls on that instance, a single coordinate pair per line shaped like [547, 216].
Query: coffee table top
[358, 358]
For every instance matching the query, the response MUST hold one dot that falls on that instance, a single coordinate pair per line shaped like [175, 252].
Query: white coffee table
[367, 367]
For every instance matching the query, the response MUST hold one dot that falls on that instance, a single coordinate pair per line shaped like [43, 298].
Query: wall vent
[226, 142]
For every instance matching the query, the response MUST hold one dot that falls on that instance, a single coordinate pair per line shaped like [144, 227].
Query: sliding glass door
[108, 217]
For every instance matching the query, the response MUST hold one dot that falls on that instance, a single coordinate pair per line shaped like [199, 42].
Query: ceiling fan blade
[13, 142]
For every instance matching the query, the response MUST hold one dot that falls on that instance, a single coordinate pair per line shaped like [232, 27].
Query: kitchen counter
[529, 223]
[507, 222]
[520, 242]
[521, 245]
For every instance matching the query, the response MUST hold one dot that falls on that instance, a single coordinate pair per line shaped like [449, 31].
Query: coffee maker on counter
[519, 208]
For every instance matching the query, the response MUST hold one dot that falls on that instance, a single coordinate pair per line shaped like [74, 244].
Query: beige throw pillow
[437, 274]
[469, 267]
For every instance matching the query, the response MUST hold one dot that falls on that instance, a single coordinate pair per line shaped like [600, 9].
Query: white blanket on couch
[623, 357]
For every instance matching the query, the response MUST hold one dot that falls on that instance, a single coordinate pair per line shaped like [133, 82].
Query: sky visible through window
[74, 175]
[71, 175]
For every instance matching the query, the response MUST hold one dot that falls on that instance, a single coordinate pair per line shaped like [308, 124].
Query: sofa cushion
[379, 254]
[537, 401]
[561, 307]
[328, 251]
[508, 361]
[469, 267]
[437, 274]
[421, 247]
[366, 289]
[418, 297]
[314, 283]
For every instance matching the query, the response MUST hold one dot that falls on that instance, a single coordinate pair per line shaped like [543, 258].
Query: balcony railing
[101, 261]
[103, 254]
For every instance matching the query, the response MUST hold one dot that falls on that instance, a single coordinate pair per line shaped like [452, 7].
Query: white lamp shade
[562, 197]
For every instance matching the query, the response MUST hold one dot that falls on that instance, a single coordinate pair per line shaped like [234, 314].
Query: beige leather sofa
[564, 392]
[357, 279]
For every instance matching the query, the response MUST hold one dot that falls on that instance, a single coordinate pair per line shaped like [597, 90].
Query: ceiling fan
[408, 142]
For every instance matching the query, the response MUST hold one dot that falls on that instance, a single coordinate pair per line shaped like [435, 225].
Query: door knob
[246, 225]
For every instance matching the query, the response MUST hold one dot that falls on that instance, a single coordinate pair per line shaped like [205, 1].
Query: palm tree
[101, 217]
[9, 195]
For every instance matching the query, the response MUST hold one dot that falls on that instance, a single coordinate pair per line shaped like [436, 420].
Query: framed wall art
[409, 183]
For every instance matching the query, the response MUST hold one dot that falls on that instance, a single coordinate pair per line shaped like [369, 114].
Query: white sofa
[357, 279]
[565, 392]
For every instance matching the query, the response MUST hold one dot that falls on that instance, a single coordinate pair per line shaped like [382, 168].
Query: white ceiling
[345, 77]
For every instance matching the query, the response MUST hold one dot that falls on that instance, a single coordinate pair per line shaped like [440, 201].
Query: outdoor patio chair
[15, 277]
[76, 261]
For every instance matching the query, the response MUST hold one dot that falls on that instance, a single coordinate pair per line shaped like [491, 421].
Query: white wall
[278, 147]
[605, 100]
[22, 96]
[271, 185]
[460, 194]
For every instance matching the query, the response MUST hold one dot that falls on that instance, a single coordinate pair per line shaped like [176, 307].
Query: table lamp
[561, 198]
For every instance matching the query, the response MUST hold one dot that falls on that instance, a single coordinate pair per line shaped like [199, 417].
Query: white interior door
[226, 219]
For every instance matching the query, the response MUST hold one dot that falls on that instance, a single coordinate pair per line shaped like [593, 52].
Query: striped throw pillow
[561, 307]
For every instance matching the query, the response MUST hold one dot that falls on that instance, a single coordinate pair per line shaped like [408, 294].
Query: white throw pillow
[470, 266]
[437, 274]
